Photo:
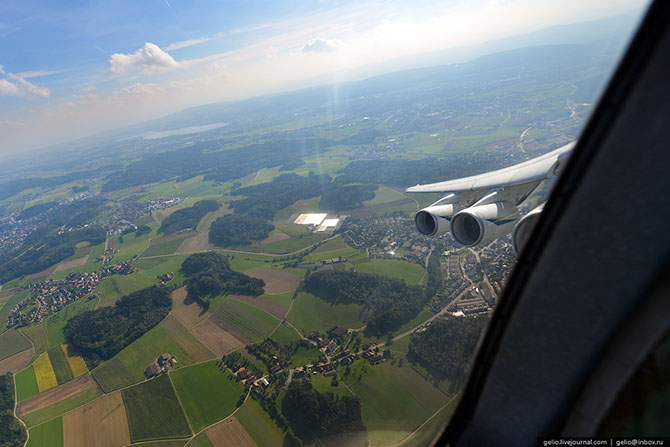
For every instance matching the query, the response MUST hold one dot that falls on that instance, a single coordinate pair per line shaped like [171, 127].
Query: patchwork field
[49, 434]
[230, 433]
[101, 423]
[200, 242]
[395, 400]
[276, 281]
[254, 323]
[128, 366]
[196, 350]
[272, 307]
[12, 342]
[154, 411]
[74, 390]
[187, 311]
[407, 271]
[166, 245]
[310, 313]
[26, 384]
[44, 373]
[207, 393]
[258, 424]
[17, 362]
[218, 336]
[60, 365]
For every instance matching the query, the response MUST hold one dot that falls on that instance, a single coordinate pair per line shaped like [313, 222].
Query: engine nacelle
[481, 224]
[522, 229]
[434, 220]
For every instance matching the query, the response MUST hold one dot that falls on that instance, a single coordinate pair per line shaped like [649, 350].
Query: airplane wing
[535, 170]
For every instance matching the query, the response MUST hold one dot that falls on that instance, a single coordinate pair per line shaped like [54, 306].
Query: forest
[209, 274]
[44, 248]
[98, 335]
[390, 302]
[12, 432]
[266, 199]
[238, 229]
[445, 348]
[333, 419]
[188, 218]
[347, 197]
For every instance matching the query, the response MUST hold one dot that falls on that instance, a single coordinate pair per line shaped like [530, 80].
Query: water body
[152, 135]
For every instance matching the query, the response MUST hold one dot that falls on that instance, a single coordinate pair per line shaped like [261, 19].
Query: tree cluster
[98, 335]
[238, 229]
[266, 199]
[209, 274]
[333, 419]
[446, 347]
[347, 197]
[188, 218]
[12, 432]
[390, 302]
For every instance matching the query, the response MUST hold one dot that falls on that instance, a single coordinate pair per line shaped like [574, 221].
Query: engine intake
[434, 220]
[522, 230]
[481, 224]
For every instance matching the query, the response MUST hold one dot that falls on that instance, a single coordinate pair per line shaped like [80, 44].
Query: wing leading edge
[535, 170]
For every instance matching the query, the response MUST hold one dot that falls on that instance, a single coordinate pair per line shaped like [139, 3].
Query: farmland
[276, 281]
[395, 400]
[26, 384]
[102, 423]
[154, 411]
[60, 364]
[230, 433]
[186, 340]
[12, 342]
[407, 271]
[44, 373]
[17, 362]
[117, 286]
[310, 313]
[49, 434]
[127, 367]
[258, 424]
[207, 393]
[250, 321]
[218, 336]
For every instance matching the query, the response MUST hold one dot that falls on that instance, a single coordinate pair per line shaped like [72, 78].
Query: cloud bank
[149, 59]
[15, 85]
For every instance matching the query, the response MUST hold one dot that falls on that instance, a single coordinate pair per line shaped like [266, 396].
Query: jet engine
[483, 223]
[522, 229]
[434, 220]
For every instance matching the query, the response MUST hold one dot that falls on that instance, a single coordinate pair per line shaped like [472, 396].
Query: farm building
[152, 371]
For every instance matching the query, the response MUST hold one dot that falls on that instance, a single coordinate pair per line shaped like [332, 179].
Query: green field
[132, 246]
[60, 365]
[60, 408]
[49, 333]
[154, 411]
[323, 385]
[207, 393]
[286, 246]
[249, 320]
[407, 271]
[49, 434]
[26, 384]
[310, 314]
[395, 400]
[95, 253]
[165, 245]
[285, 335]
[258, 424]
[401, 345]
[128, 366]
[12, 342]
[202, 440]
[427, 434]
[117, 286]
[159, 266]
[384, 194]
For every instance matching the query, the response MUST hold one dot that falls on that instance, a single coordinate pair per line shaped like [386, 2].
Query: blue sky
[73, 68]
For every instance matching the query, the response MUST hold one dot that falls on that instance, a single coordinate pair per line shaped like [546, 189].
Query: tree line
[98, 335]
[189, 217]
[390, 301]
[12, 432]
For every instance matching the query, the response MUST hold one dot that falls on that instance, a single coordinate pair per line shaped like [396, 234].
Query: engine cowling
[481, 224]
[522, 229]
[435, 220]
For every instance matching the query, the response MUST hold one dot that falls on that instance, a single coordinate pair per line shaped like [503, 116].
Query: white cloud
[187, 43]
[90, 88]
[15, 85]
[142, 89]
[148, 60]
[320, 45]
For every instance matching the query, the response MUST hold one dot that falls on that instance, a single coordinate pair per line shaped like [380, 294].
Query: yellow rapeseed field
[77, 364]
[44, 373]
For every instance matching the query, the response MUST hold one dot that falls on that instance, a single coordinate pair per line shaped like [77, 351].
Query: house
[377, 359]
[275, 368]
[322, 342]
[164, 359]
[338, 330]
[243, 374]
[152, 371]
[264, 382]
[330, 373]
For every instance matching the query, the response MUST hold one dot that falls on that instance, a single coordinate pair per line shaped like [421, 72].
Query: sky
[73, 68]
